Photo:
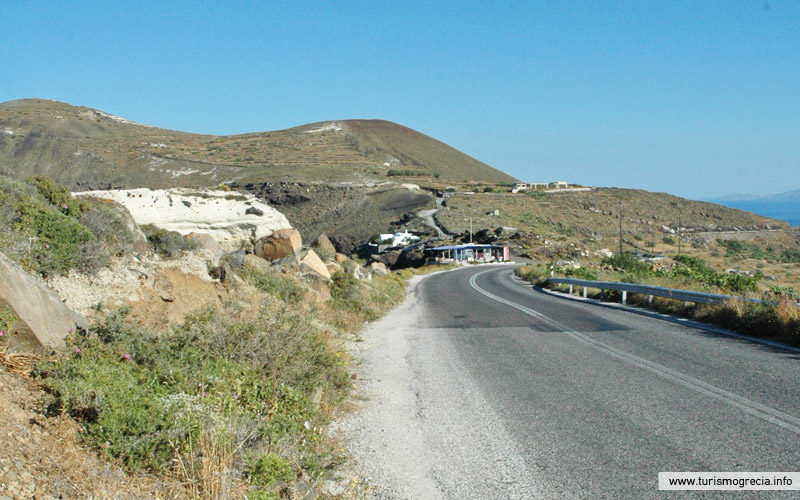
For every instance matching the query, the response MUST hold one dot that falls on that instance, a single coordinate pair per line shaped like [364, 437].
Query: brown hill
[82, 146]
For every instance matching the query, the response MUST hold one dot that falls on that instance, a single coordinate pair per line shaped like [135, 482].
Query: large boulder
[207, 242]
[256, 263]
[389, 258]
[44, 321]
[281, 243]
[312, 263]
[378, 268]
[324, 248]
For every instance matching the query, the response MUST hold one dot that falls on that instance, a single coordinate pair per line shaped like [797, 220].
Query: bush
[791, 256]
[58, 196]
[580, 273]
[488, 189]
[407, 173]
[628, 262]
[47, 231]
[534, 274]
[167, 243]
[269, 469]
[151, 399]
[7, 320]
[60, 243]
[269, 282]
[668, 240]
[108, 226]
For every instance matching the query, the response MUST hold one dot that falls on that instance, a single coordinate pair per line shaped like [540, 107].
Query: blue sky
[696, 98]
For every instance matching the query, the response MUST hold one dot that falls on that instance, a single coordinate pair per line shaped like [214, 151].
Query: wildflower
[47, 245]
[125, 355]
[307, 425]
[69, 330]
[77, 349]
[2, 333]
[235, 396]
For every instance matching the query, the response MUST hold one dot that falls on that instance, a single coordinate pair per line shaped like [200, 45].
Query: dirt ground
[42, 457]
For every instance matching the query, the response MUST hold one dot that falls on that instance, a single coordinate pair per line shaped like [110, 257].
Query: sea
[788, 210]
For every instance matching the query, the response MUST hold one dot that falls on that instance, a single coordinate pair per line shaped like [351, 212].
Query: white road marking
[759, 410]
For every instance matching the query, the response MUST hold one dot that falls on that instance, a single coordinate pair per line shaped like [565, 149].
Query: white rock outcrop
[230, 217]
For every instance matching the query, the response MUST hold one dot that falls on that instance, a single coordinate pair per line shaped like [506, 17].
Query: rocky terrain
[331, 177]
[239, 262]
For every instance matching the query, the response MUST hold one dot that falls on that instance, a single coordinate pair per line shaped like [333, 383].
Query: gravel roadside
[424, 430]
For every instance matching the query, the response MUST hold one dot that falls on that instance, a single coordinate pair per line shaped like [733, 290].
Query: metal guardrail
[651, 291]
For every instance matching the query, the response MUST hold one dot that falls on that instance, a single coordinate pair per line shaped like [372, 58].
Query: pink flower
[235, 396]
[47, 245]
[2, 333]
[77, 349]
[125, 355]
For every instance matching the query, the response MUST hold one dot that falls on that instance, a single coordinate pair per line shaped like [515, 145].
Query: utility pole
[679, 230]
[620, 227]
[470, 229]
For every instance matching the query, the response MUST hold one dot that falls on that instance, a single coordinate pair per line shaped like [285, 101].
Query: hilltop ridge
[82, 147]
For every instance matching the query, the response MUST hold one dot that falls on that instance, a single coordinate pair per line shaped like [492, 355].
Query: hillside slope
[82, 147]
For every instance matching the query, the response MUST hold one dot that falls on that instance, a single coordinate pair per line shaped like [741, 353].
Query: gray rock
[43, 319]
[254, 211]
[234, 259]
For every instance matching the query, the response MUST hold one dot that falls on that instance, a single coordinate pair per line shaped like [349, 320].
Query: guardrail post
[649, 299]
[570, 289]
[624, 296]
[584, 292]
[602, 294]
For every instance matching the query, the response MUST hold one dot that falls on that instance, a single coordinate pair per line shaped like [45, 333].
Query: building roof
[466, 246]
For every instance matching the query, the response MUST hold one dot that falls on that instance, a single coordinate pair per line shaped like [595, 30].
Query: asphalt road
[481, 387]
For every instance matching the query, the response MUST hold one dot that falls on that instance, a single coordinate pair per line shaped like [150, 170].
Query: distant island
[785, 196]
[784, 206]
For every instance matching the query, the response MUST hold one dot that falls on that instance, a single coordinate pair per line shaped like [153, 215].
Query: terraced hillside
[83, 147]
[341, 175]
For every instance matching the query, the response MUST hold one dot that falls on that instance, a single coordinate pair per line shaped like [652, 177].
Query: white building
[397, 239]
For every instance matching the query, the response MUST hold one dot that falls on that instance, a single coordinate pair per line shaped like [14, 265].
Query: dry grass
[20, 363]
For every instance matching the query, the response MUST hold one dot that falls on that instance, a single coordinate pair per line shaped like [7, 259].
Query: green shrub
[628, 262]
[7, 320]
[283, 288]
[147, 398]
[270, 469]
[488, 189]
[668, 240]
[534, 274]
[407, 173]
[580, 273]
[167, 243]
[60, 243]
[108, 226]
[47, 231]
[791, 256]
[58, 196]
[538, 195]
[343, 285]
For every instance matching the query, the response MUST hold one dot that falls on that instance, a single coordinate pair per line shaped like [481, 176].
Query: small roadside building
[468, 252]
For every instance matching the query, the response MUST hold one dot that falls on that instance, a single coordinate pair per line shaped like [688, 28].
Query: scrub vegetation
[233, 401]
[776, 316]
[47, 231]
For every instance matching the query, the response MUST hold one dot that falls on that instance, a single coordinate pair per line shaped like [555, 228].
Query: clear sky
[697, 98]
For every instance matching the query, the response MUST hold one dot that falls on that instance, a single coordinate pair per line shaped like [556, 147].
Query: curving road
[480, 387]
